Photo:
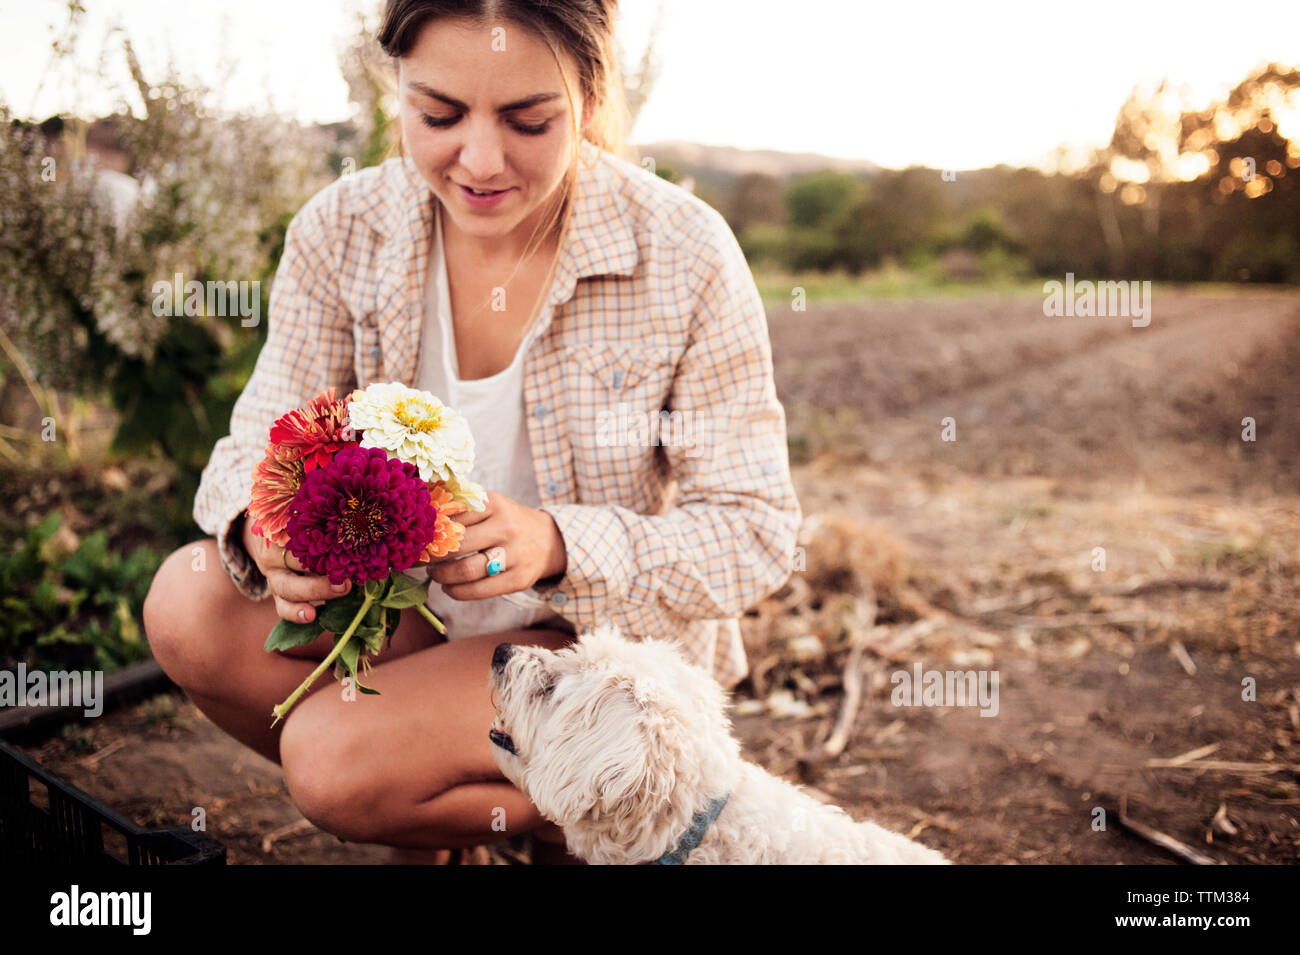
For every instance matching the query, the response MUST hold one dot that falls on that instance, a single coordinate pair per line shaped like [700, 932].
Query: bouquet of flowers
[362, 488]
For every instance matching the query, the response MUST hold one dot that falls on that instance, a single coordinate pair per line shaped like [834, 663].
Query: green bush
[77, 610]
[765, 244]
[84, 282]
[1259, 258]
[810, 250]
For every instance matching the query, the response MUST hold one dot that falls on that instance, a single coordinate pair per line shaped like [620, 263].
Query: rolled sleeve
[308, 349]
[730, 538]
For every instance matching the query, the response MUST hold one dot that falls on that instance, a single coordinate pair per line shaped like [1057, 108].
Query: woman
[559, 297]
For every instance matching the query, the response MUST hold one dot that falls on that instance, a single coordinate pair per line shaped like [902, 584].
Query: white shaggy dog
[628, 748]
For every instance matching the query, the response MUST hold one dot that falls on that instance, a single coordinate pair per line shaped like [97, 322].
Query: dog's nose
[500, 655]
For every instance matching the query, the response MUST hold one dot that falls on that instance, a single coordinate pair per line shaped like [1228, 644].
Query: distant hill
[716, 168]
[737, 162]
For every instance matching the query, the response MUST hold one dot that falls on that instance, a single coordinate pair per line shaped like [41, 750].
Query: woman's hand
[297, 594]
[533, 545]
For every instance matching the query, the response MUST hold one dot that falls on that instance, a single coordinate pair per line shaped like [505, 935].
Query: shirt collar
[601, 241]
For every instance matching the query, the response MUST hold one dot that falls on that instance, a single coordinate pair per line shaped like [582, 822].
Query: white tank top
[503, 460]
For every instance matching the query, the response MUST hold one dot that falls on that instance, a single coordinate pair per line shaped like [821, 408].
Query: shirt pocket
[623, 388]
[627, 370]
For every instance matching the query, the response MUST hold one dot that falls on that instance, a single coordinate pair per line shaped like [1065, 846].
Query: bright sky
[945, 84]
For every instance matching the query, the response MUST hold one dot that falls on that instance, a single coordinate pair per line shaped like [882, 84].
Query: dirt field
[976, 554]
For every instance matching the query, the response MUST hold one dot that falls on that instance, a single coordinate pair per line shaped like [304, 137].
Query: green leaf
[406, 592]
[126, 625]
[288, 634]
[347, 658]
[390, 623]
[45, 598]
[372, 637]
[336, 614]
[57, 636]
[375, 588]
[45, 529]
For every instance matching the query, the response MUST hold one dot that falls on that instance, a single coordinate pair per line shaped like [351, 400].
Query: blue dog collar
[700, 823]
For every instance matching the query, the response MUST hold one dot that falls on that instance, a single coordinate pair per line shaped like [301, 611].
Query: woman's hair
[582, 29]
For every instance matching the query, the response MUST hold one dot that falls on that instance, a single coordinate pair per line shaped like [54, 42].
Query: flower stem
[282, 710]
[428, 615]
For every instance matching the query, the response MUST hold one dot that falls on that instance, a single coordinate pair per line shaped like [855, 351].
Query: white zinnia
[466, 491]
[415, 427]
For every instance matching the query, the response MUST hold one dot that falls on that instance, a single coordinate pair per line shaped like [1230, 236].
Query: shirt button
[552, 487]
[769, 467]
[541, 411]
[558, 598]
[618, 379]
[375, 351]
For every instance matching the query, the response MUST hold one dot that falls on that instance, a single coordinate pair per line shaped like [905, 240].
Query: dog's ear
[636, 792]
[595, 744]
[602, 642]
[648, 693]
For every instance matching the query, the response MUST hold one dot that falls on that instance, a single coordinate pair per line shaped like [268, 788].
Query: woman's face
[479, 117]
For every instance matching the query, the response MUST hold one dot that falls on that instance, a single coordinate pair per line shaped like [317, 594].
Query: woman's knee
[323, 771]
[339, 776]
[182, 610]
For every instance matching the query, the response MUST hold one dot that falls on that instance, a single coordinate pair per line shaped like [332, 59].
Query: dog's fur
[620, 742]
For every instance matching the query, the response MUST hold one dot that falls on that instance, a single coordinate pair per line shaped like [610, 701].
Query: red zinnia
[314, 432]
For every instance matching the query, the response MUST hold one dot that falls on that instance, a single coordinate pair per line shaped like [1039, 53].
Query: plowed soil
[1099, 533]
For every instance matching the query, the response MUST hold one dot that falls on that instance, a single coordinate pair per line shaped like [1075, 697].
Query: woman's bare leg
[412, 767]
[208, 638]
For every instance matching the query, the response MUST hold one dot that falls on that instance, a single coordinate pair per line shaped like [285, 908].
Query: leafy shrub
[78, 610]
[80, 269]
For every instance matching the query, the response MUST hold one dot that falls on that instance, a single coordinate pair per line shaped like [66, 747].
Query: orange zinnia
[447, 533]
[276, 480]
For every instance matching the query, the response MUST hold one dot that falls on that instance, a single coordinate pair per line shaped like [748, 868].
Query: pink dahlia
[361, 516]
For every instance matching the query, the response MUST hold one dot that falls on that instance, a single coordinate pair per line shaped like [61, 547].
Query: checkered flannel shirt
[658, 439]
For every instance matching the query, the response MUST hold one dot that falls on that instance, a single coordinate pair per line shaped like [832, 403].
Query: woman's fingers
[299, 609]
[287, 561]
[465, 568]
[506, 582]
[304, 588]
[297, 595]
[294, 612]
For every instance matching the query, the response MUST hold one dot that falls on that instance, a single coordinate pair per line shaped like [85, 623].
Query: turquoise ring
[496, 560]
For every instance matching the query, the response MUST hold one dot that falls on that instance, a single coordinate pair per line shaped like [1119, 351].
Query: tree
[816, 198]
[757, 199]
[895, 216]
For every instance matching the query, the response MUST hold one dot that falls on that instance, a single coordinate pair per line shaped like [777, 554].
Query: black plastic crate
[72, 828]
